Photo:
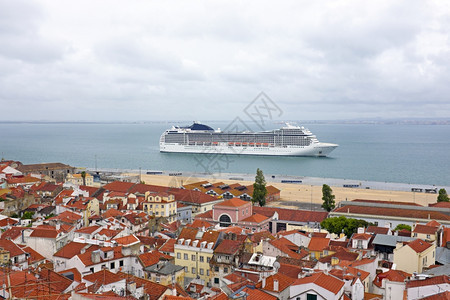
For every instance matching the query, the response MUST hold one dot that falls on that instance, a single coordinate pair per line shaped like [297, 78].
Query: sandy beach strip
[302, 192]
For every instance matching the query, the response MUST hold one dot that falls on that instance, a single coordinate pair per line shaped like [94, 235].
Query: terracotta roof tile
[283, 282]
[255, 218]
[293, 215]
[44, 233]
[127, 240]
[228, 247]
[327, 282]
[255, 294]
[234, 202]
[70, 250]
[168, 246]
[13, 249]
[395, 212]
[391, 275]
[318, 243]
[442, 279]
[424, 229]
[377, 230]
[419, 245]
[441, 296]
[362, 236]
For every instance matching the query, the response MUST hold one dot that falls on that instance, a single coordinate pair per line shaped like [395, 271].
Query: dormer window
[187, 242]
[180, 241]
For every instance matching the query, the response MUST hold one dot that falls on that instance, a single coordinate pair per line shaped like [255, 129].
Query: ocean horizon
[404, 153]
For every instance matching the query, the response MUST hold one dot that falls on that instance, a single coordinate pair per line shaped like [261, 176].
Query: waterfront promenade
[308, 191]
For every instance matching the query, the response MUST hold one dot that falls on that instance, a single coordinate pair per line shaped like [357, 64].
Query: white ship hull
[315, 149]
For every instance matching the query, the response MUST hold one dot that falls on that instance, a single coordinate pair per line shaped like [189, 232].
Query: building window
[92, 270]
[121, 263]
[185, 256]
[207, 272]
[113, 266]
[311, 297]
[179, 255]
[225, 270]
[193, 270]
[186, 269]
[428, 236]
[216, 280]
[201, 271]
[208, 259]
[216, 269]
[202, 259]
[193, 257]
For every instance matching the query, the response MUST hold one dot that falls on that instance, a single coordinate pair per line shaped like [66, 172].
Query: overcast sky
[202, 60]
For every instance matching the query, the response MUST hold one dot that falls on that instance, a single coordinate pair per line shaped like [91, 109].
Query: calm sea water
[393, 153]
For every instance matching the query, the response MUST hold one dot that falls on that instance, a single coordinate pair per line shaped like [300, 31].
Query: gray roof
[442, 270]
[390, 240]
[443, 255]
[165, 268]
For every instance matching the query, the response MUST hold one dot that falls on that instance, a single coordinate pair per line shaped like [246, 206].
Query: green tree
[348, 226]
[83, 175]
[442, 197]
[328, 198]
[27, 215]
[402, 226]
[259, 188]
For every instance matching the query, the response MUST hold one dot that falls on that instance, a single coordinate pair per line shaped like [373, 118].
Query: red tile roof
[103, 277]
[419, 245]
[168, 246]
[440, 204]
[377, 230]
[200, 224]
[255, 294]
[88, 230]
[13, 233]
[127, 240]
[287, 247]
[255, 218]
[386, 202]
[34, 256]
[442, 279]
[44, 233]
[13, 249]
[291, 214]
[362, 236]
[391, 275]
[228, 247]
[234, 202]
[151, 258]
[394, 212]
[283, 282]
[118, 186]
[70, 250]
[318, 243]
[424, 229]
[441, 296]
[323, 280]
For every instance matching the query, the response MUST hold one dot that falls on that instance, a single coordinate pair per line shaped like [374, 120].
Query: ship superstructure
[199, 138]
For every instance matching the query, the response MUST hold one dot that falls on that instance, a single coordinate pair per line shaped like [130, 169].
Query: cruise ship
[289, 140]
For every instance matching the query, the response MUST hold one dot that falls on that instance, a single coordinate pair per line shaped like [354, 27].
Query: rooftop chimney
[275, 285]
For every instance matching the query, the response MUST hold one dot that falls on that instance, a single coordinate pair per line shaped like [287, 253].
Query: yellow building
[160, 205]
[78, 179]
[194, 249]
[414, 256]
[4, 256]
[425, 232]
[165, 273]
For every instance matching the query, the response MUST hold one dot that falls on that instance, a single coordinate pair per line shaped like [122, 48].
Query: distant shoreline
[276, 179]
[418, 121]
